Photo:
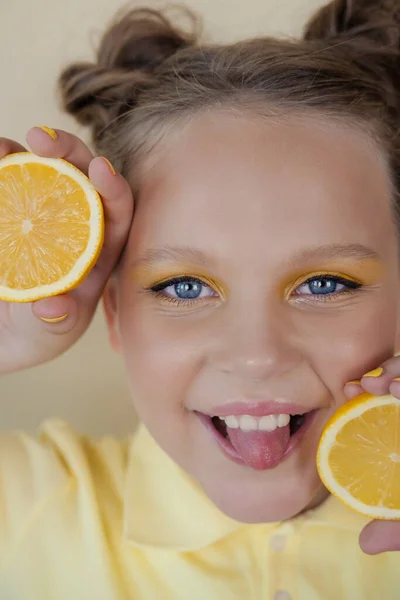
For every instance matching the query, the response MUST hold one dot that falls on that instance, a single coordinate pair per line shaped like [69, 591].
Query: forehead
[273, 180]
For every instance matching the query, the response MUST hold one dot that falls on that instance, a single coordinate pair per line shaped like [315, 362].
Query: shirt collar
[163, 506]
[333, 513]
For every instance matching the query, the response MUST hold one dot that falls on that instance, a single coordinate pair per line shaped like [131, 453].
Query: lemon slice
[51, 227]
[358, 457]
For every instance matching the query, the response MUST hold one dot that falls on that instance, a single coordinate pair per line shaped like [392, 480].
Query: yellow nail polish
[113, 171]
[375, 373]
[55, 319]
[49, 131]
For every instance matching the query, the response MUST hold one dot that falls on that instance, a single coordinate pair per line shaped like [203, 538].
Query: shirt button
[282, 595]
[278, 542]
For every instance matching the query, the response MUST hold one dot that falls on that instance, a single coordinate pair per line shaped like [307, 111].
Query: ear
[110, 305]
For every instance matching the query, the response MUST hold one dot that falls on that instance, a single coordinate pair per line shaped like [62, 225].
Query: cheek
[353, 342]
[162, 357]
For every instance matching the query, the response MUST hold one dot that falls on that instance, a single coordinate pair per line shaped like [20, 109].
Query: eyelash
[351, 285]
[157, 290]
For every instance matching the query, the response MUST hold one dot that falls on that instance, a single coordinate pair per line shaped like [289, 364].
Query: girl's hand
[379, 536]
[26, 339]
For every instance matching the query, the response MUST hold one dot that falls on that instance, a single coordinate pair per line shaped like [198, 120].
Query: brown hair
[149, 73]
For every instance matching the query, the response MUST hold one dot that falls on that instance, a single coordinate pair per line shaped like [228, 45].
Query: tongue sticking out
[260, 449]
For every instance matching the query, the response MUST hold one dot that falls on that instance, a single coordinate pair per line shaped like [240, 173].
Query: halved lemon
[51, 227]
[358, 457]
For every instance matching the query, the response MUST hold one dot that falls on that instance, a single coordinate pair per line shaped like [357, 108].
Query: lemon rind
[355, 408]
[88, 257]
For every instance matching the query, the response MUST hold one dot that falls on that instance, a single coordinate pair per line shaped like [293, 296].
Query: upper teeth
[249, 423]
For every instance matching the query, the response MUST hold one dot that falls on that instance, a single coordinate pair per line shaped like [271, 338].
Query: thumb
[31, 334]
[380, 536]
[58, 314]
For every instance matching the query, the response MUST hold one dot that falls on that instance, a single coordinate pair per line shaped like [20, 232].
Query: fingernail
[375, 373]
[113, 171]
[396, 379]
[54, 319]
[354, 382]
[49, 131]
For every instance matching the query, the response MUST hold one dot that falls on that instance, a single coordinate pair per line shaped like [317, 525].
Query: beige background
[86, 386]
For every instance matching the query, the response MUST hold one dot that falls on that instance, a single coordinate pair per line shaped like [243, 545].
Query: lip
[258, 409]
[230, 452]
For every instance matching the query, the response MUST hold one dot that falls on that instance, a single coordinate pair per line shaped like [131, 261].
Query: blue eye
[187, 289]
[183, 289]
[326, 286]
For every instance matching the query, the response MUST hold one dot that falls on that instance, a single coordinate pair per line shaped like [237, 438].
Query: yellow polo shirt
[108, 520]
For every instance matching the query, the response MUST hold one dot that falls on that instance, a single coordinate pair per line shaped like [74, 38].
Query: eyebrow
[332, 251]
[173, 254]
[196, 256]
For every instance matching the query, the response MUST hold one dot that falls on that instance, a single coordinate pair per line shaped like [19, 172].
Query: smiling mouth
[260, 443]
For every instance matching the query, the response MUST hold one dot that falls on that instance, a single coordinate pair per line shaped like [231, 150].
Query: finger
[9, 147]
[39, 332]
[379, 380]
[394, 388]
[380, 536]
[57, 315]
[55, 143]
[352, 389]
[118, 211]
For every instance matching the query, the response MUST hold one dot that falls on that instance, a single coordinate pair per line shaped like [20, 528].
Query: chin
[255, 499]
[266, 493]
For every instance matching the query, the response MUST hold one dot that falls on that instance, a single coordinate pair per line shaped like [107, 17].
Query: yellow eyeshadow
[314, 275]
[365, 272]
[148, 277]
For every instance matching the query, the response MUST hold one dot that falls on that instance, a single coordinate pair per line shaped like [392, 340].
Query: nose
[256, 345]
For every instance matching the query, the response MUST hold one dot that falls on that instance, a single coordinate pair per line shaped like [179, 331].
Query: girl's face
[261, 275]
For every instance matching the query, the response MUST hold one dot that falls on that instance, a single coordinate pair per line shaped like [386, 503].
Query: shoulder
[28, 466]
[55, 454]
[83, 457]
[33, 469]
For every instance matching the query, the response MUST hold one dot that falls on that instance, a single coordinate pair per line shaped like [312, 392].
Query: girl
[256, 288]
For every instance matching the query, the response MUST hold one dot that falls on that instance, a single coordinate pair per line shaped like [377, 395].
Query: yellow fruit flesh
[365, 459]
[40, 238]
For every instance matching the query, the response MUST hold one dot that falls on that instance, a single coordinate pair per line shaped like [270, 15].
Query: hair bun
[377, 20]
[130, 51]
[365, 33]
[141, 39]
[95, 95]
